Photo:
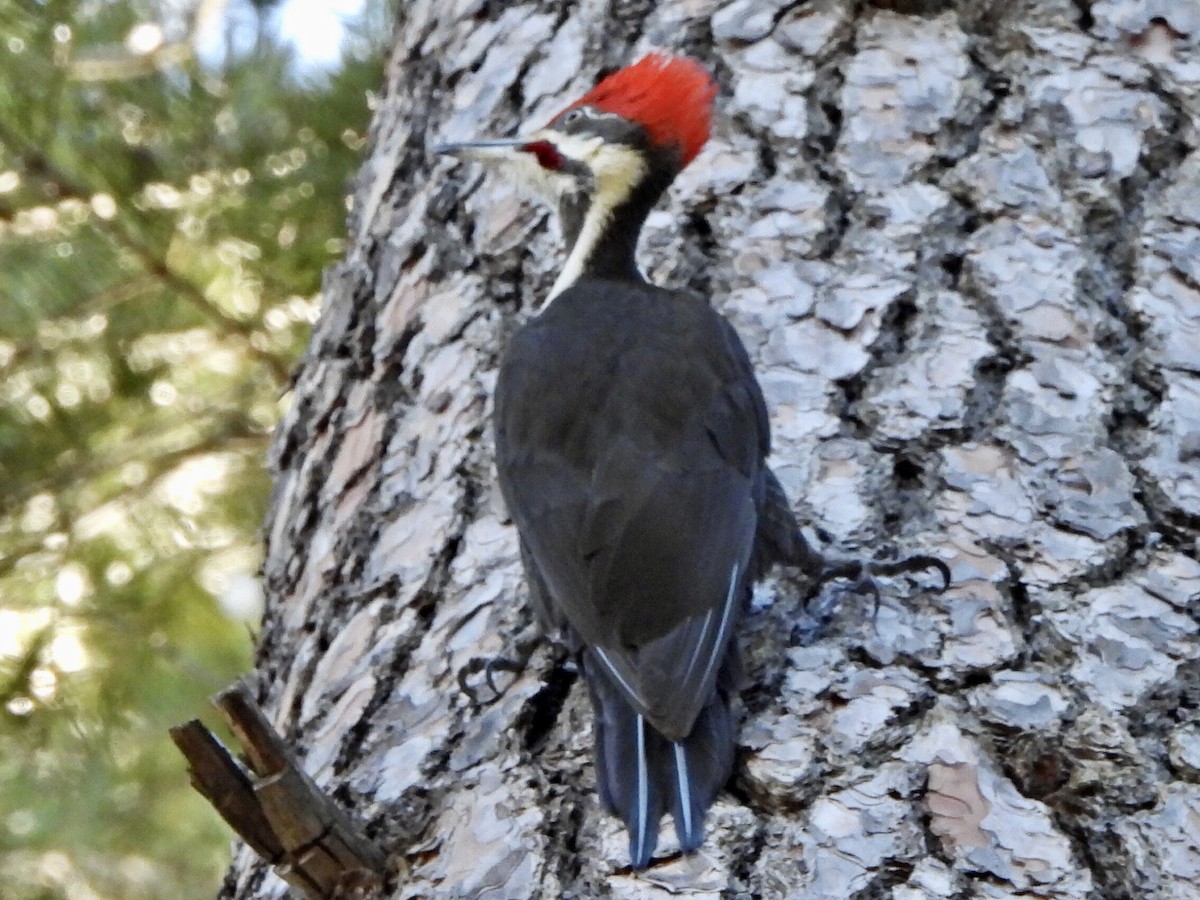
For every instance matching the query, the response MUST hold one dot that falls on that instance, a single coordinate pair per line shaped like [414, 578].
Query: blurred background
[174, 177]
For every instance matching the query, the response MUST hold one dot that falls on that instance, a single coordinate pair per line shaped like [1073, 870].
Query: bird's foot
[815, 616]
[488, 667]
[863, 574]
[818, 609]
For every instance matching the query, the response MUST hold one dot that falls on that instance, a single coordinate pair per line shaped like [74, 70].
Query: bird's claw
[863, 574]
[863, 577]
[860, 573]
[815, 615]
[919, 563]
[489, 668]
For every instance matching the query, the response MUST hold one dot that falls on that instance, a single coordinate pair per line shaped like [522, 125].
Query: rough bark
[962, 243]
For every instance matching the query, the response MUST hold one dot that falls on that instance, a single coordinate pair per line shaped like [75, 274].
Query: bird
[631, 443]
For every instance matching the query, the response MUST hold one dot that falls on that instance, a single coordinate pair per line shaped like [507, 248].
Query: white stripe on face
[616, 170]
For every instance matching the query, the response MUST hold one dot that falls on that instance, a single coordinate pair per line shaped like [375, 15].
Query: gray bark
[962, 244]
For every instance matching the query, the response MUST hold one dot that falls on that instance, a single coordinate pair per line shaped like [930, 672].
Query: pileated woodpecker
[631, 443]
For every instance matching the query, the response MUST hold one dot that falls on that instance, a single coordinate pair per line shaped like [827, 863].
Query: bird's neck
[602, 232]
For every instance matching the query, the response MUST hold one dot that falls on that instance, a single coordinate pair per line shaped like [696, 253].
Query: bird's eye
[546, 154]
[573, 115]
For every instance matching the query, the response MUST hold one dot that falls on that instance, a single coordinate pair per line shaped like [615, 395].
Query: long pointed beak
[482, 151]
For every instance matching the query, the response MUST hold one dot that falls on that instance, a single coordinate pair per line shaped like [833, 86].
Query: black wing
[631, 435]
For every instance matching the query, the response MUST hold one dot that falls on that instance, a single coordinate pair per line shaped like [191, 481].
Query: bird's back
[610, 358]
[630, 432]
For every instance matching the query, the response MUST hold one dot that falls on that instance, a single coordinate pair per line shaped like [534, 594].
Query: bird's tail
[641, 774]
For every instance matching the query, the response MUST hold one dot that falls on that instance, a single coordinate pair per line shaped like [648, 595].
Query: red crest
[669, 96]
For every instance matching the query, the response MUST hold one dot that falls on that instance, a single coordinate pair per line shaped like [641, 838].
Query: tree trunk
[960, 241]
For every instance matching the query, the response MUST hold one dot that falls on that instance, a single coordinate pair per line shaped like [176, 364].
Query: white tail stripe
[699, 643]
[685, 788]
[643, 787]
[599, 651]
[718, 644]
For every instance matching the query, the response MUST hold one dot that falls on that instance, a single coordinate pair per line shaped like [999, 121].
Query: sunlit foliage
[163, 226]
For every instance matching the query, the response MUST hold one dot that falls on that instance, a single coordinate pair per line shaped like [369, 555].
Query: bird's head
[636, 129]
